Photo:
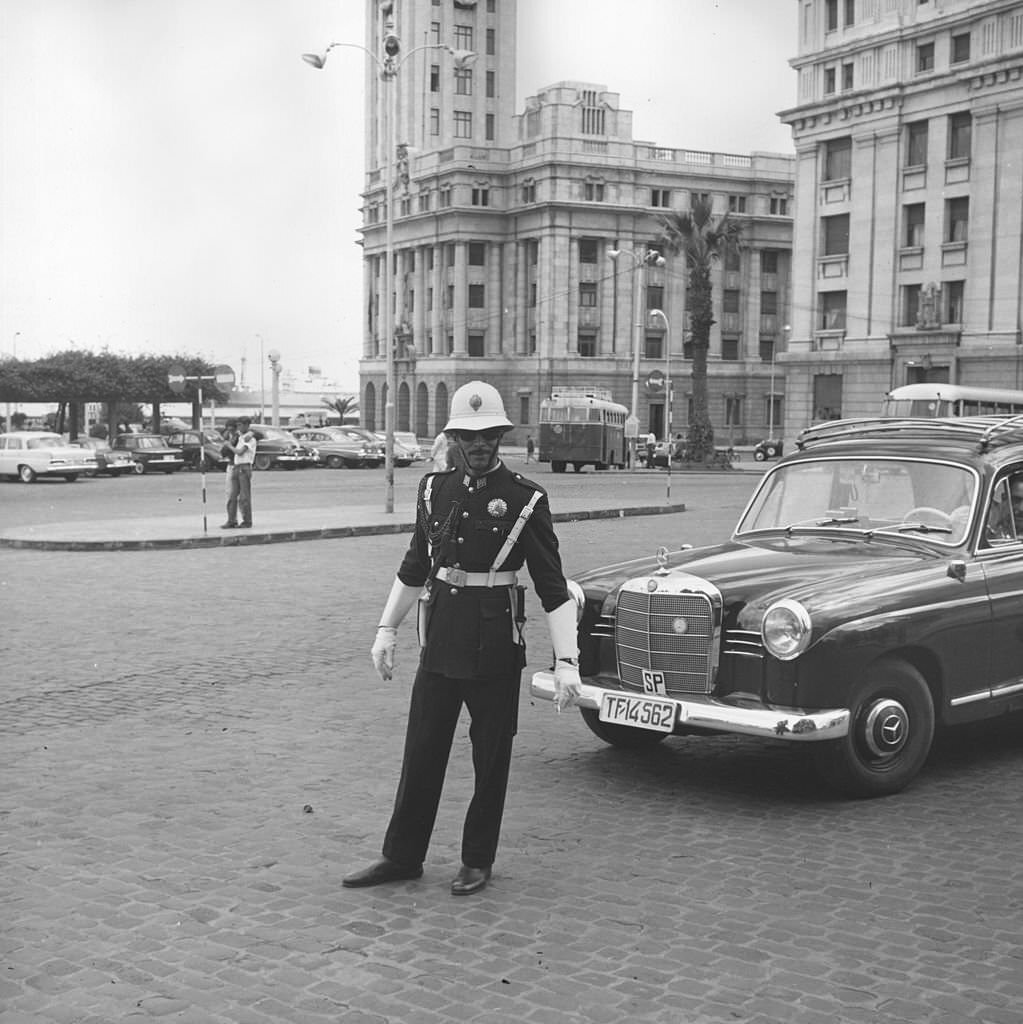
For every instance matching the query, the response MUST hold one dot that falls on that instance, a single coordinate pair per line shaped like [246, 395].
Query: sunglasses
[490, 436]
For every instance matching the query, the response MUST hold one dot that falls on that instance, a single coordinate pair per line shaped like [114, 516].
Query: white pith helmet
[477, 406]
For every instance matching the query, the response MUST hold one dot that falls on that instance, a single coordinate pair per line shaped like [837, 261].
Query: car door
[8, 463]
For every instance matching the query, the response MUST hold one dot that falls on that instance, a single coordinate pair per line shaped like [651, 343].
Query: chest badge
[497, 508]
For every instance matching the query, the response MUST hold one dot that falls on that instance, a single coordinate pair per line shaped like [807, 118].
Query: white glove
[568, 687]
[383, 651]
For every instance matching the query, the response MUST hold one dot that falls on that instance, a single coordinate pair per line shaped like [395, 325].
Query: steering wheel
[925, 512]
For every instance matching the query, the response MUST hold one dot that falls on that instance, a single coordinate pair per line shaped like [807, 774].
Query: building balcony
[837, 191]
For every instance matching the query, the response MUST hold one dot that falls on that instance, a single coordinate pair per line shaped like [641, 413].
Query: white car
[28, 454]
[406, 447]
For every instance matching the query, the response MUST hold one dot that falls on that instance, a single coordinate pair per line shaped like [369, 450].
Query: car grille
[670, 633]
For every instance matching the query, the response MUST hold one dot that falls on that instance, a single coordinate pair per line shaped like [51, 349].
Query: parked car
[109, 460]
[335, 451]
[367, 442]
[769, 448]
[869, 593]
[407, 448]
[151, 452]
[193, 442]
[276, 446]
[28, 454]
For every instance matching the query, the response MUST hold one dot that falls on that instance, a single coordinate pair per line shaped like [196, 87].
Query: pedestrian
[439, 453]
[651, 443]
[239, 493]
[476, 524]
[530, 448]
[229, 434]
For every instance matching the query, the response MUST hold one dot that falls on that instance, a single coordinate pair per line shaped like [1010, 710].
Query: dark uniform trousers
[471, 653]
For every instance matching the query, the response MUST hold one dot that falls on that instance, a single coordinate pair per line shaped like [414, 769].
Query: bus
[582, 426]
[938, 400]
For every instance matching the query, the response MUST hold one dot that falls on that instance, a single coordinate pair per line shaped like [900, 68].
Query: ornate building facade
[518, 239]
[909, 201]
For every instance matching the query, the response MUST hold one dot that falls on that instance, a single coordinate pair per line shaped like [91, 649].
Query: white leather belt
[461, 578]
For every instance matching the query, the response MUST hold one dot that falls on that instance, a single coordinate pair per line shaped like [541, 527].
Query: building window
[429, 300]
[532, 295]
[730, 300]
[587, 250]
[850, 12]
[910, 304]
[477, 254]
[837, 159]
[847, 77]
[913, 236]
[490, 127]
[463, 124]
[768, 303]
[924, 58]
[523, 408]
[769, 261]
[831, 15]
[698, 197]
[463, 37]
[491, 42]
[429, 258]
[827, 397]
[660, 197]
[916, 144]
[593, 191]
[592, 113]
[829, 81]
[480, 196]
[588, 294]
[491, 7]
[491, 86]
[960, 131]
[463, 81]
[435, 32]
[733, 410]
[836, 235]
[730, 349]
[444, 196]
[475, 346]
[766, 349]
[733, 259]
[434, 78]
[831, 306]
[953, 296]
[653, 347]
[532, 343]
[587, 344]
[450, 342]
[957, 219]
[736, 204]
[529, 191]
[424, 202]
[434, 121]
[779, 207]
[655, 296]
[477, 296]
[961, 48]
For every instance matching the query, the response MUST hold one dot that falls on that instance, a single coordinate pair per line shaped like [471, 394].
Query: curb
[288, 536]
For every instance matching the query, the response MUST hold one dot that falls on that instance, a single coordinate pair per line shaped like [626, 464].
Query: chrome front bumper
[705, 713]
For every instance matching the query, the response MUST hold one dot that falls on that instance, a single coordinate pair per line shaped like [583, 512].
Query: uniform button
[465, 515]
[460, 540]
[493, 529]
[454, 590]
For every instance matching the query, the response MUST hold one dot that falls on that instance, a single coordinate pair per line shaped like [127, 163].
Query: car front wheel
[261, 462]
[623, 736]
[140, 468]
[890, 733]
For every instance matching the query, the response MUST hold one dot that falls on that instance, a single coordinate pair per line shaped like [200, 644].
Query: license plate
[638, 712]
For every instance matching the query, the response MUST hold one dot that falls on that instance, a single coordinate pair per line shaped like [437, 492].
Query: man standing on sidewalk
[476, 525]
[239, 495]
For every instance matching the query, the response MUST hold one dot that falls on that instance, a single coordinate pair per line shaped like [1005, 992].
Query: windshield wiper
[828, 519]
[907, 527]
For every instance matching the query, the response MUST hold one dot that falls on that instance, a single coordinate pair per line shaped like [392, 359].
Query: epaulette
[526, 482]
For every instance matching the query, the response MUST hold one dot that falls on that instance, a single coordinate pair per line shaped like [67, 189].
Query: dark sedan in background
[109, 460]
[151, 453]
[192, 444]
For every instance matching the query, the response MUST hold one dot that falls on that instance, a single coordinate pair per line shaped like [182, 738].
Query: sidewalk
[186, 531]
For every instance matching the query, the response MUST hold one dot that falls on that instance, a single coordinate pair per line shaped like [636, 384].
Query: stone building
[518, 239]
[909, 201]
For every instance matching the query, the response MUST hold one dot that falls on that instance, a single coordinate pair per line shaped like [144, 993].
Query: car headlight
[786, 629]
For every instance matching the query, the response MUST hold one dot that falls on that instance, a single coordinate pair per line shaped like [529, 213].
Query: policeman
[476, 524]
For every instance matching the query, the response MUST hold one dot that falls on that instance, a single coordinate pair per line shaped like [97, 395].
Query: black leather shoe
[229, 526]
[470, 880]
[245, 526]
[381, 871]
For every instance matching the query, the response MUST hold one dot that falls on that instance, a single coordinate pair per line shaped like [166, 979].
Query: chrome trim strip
[992, 693]
[801, 726]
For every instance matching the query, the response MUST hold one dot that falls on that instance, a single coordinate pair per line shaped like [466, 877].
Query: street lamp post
[641, 259]
[275, 394]
[388, 66]
[667, 389]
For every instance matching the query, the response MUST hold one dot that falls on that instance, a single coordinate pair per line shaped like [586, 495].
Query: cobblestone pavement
[190, 768]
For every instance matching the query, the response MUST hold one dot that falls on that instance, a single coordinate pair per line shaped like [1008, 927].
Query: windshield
[897, 495]
[276, 434]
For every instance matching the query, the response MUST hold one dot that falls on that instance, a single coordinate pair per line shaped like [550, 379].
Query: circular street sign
[655, 382]
[223, 375]
[176, 378]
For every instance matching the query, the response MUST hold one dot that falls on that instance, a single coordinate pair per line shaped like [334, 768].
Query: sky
[175, 179]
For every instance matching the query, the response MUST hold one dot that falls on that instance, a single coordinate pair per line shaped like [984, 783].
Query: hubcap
[886, 728]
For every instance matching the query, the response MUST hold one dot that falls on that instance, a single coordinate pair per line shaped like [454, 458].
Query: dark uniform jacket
[470, 632]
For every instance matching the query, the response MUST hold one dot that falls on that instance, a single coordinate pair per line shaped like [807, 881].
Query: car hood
[833, 577]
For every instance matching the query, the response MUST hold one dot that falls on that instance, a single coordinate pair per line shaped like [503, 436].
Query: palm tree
[702, 239]
[342, 405]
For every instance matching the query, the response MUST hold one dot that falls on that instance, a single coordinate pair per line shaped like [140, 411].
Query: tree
[702, 239]
[342, 405]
